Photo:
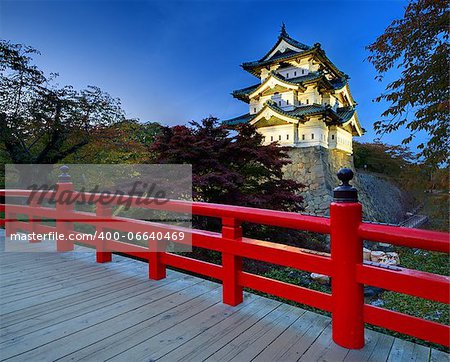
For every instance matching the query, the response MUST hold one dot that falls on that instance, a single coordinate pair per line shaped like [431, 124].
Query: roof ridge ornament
[283, 31]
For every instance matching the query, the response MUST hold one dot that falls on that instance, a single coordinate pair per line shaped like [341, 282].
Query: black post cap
[64, 178]
[345, 192]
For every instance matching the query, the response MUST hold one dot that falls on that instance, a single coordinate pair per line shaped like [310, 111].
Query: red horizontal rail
[284, 290]
[193, 265]
[25, 193]
[401, 236]
[417, 283]
[406, 324]
[245, 214]
[278, 254]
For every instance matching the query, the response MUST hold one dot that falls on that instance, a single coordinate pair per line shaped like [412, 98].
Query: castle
[301, 100]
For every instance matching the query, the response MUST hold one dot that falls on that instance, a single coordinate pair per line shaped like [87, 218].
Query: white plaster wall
[340, 139]
[255, 106]
[284, 100]
[293, 72]
[310, 95]
[274, 133]
[344, 140]
[314, 127]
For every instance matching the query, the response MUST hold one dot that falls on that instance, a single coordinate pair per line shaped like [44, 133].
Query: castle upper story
[301, 98]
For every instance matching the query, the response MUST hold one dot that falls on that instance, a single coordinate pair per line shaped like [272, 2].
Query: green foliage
[127, 141]
[43, 122]
[381, 158]
[418, 45]
[436, 207]
[400, 165]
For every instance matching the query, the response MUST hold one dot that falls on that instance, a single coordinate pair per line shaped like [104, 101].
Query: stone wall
[316, 168]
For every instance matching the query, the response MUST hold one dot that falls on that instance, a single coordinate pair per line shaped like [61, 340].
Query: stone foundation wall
[316, 168]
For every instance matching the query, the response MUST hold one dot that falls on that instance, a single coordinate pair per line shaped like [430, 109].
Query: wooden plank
[296, 339]
[73, 342]
[49, 278]
[26, 247]
[31, 341]
[119, 291]
[69, 287]
[30, 261]
[92, 290]
[210, 341]
[251, 342]
[407, 351]
[439, 356]
[10, 259]
[166, 341]
[324, 349]
[139, 327]
[377, 348]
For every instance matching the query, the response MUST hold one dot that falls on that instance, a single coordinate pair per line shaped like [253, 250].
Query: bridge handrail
[344, 265]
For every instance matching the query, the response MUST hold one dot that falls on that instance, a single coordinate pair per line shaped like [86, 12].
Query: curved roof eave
[282, 115]
[279, 80]
[354, 122]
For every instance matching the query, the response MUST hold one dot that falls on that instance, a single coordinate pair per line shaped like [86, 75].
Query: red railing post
[231, 264]
[156, 267]
[64, 205]
[103, 212]
[9, 225]
[34, 227]
[346, 254]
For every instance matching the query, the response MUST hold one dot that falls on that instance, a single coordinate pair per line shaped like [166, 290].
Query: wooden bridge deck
[67, 307]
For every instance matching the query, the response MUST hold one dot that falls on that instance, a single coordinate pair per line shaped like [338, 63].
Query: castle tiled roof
[243, 94]
[340, 115]
[302, 50]
[345, 113]
[239, 120]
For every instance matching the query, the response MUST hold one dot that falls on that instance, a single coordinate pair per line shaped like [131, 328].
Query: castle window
[254, 110]
[287, 75]
[287, 101]
[271, 138]
[287, 136]
[303, 137]
[307, 101]
[312, 136]
[332, 136]
[295, 73]
[279, 138]
[279, 103]
[303, 71]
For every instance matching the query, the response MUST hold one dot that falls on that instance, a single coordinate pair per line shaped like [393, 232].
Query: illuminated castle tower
[301, 100]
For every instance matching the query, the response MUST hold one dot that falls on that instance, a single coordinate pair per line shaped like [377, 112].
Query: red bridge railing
[345, 266]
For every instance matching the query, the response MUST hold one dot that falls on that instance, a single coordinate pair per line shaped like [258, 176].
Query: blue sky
[173, 62]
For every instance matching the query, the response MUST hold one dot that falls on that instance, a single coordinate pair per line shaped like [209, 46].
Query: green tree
[418, 45]
[43, 122]
[382, 158]
[126, 141]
